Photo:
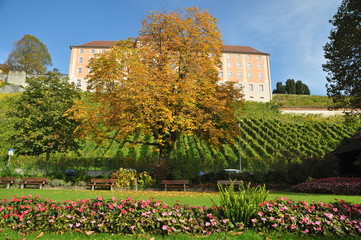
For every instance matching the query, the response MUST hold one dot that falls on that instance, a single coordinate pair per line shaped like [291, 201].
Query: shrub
[345, 186]
[301, 217]
[240, 206]
[130, 177]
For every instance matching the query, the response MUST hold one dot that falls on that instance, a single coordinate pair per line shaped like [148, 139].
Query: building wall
[79, 59]
[251, 71]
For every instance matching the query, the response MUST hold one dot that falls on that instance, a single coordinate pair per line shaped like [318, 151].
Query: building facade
[246, 66]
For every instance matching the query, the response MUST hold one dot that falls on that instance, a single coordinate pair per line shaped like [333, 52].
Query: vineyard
[263, 143]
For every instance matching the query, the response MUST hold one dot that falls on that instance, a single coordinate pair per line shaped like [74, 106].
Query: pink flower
[274, 225]
[164, 227]
[208, 224]
[306, 231]
[254, 220]
[99, 198]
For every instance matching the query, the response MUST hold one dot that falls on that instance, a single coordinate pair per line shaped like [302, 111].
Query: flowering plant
[125, 216]
[130, 177]
[336, 185]
[302, 217]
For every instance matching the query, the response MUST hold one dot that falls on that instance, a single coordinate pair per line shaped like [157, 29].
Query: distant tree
[343, 57]
[290, 86]
[302, 88]
[280, 88]
[165, 85]
[29, 55]
[40, 125]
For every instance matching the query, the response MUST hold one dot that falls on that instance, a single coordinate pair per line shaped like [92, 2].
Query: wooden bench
[33, 181]
[9, 181]
[175, 183]
[227, 183]
[102, 183]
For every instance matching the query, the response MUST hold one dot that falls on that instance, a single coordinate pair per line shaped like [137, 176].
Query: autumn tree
[29, 55]
[164, 83]
[39, 123]
[343, 57]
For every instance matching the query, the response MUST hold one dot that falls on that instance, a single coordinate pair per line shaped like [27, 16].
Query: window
[250, 75]
[239, 65]
[249, 56]
[230, 74]
[261, 88]
[260, 75]
[103, 50]
[251, 87]
[259, 57]
[221, 74]
[81, 50]
[78, 82]
[239, 86]
[249, 65]
[259, 65]
[230, 64]
[92, 51]
[239, 74]
[229, 55]
[80, 60]
[80, 70]
[238, 55]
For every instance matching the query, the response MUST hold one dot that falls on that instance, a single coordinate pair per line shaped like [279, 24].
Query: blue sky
[292, 31]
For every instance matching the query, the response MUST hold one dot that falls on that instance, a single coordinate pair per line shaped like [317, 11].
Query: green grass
[249, 235]
[170, 197]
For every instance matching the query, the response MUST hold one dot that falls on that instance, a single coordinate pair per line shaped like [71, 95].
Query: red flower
[6, 216]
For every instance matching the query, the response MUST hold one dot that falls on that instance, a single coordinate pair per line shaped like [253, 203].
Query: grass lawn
[170, 197]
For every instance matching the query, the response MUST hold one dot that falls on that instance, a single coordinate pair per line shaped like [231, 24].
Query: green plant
[130, 178]
[239, 207]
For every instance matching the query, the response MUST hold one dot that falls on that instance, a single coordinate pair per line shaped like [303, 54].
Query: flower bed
[345, 186]
[338, 218]
[127, 216]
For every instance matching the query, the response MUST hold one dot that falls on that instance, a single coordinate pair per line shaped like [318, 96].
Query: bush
[345, 186]
[338, 218]
[130, 177]
[240, 206]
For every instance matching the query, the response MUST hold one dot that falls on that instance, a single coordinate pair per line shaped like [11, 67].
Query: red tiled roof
[226, 48]
[100, 44]
[240, 49]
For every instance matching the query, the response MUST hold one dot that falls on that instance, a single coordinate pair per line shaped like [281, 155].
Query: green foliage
[239, 207]
[343, 57]
[292, 87]
[29, 55]
[40, 124]
[130, 178]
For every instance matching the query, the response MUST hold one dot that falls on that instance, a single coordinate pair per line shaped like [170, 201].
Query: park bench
[33, 181]
[102, 183]
[175, 183]
[9, 181]
[227, 183]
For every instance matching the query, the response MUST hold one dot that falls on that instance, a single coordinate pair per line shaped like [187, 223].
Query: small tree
[343, 57]
[40, 124]
[29, 55]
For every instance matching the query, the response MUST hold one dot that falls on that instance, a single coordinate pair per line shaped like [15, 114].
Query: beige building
[246, 66]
